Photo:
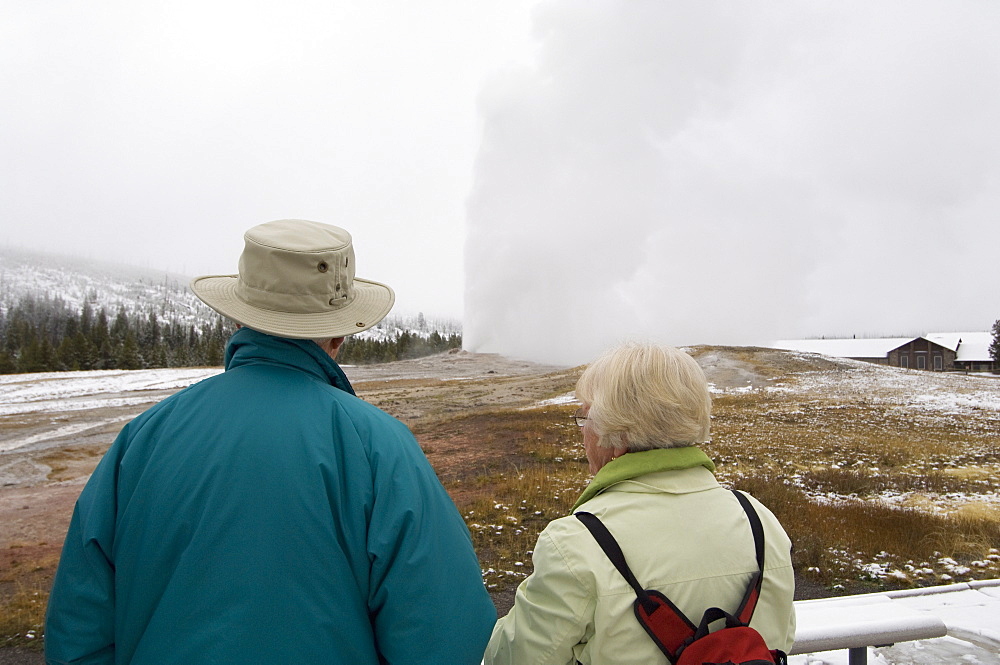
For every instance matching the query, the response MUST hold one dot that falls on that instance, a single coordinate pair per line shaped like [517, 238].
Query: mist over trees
[45, 334]
[402, 346]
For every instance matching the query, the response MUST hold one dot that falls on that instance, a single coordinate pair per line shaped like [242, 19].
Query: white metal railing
[881, 619]
[856, 623]
[831, 624]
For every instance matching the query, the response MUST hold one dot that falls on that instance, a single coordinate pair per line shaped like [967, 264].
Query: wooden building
[973, 352]
[922, 353]
[936, 352]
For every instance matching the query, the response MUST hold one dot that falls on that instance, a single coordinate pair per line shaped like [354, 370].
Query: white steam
[720, 172]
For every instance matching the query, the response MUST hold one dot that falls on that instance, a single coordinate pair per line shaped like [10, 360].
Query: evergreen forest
[359, 350]
[43, 334]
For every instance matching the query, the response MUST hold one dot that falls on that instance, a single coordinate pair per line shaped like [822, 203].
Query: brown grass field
[883, 478]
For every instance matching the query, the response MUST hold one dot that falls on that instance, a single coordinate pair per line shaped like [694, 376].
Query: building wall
[875, 361]
[923, 354]
[976, 366]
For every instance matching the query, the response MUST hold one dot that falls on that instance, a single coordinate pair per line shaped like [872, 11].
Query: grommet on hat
[296, 279]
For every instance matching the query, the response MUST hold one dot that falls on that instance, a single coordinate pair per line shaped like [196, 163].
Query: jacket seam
[591, 599]
[750, 571]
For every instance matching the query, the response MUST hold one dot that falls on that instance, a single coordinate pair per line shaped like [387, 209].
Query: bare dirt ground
[41, 479]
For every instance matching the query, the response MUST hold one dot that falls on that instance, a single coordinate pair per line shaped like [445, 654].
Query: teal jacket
[267, 515]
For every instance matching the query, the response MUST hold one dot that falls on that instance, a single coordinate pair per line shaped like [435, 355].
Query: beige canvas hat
[297, 280]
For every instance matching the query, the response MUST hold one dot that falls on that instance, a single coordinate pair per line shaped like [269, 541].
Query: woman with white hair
[646, 408]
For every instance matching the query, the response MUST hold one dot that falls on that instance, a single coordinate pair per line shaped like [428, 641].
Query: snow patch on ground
[970, 614]
[928, 391]
[568, 398]
[49, 391]
[58, 433]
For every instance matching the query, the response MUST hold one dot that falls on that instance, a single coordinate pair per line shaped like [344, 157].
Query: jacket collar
[633, 465]
[248, 346]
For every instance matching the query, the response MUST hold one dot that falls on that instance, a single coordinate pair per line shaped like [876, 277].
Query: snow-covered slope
[75, 281]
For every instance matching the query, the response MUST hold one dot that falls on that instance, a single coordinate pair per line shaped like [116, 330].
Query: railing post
[857, 656]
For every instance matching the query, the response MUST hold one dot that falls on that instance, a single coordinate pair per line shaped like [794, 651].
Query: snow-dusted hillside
[76, 281]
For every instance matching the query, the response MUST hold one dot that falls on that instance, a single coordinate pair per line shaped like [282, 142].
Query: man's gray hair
[644, 396]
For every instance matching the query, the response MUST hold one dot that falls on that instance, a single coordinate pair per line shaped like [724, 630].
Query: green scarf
[632, 465]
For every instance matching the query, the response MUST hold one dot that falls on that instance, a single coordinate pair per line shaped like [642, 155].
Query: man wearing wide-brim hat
[267, 515]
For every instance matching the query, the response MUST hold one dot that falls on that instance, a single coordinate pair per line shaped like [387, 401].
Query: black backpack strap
[614, 553]
[671, 629]
[749, 603]
[663, 621]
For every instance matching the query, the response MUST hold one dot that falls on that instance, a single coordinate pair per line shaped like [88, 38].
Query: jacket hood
[248, 346]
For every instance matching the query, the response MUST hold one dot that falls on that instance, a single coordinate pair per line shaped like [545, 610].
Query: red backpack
[680, 640]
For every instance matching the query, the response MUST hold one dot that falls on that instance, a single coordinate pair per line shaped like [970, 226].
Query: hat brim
[372, 301]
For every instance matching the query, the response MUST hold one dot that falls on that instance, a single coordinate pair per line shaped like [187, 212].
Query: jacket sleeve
[775, 616]
[79, 621]
[426, 593]
[552, 614]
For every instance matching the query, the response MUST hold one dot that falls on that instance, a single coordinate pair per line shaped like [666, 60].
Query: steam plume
[720, 172]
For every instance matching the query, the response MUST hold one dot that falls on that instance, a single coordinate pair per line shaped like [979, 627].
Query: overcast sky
[738, 172]
[157, 132]
[696, 172]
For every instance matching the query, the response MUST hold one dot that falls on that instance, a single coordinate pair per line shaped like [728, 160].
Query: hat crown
[298, 235]
[297, 266]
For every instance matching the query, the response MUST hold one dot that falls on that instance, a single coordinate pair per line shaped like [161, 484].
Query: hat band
[292, 303]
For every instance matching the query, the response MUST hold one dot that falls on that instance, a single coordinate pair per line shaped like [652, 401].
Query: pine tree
[86, 352]
[120, 326]
[38, 356]
[995, 345]
[99, 331]
[105, 355]
[86, 318]
[7, 362]
[66, 355]
[403, 345]
[129, 356]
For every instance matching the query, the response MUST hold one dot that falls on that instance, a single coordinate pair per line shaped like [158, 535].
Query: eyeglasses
[580, 420]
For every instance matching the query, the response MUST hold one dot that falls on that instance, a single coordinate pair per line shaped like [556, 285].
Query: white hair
[644, 396]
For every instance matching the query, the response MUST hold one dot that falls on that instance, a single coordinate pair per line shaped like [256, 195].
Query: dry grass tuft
[507, 507]
[26, 572]
[22, 616]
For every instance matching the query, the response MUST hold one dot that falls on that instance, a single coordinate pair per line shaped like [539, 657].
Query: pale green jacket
[682, 534]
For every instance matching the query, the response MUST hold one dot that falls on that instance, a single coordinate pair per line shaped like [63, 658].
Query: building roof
[975, 347]
[947, 340]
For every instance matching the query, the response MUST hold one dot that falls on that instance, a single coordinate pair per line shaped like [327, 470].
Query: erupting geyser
[722, 173]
